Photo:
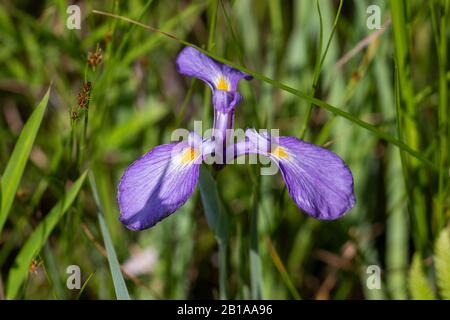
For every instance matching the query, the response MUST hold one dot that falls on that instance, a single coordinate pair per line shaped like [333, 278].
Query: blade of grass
[84, 286]
[441, 45]
[280, 266]
[37, 239]
[336, 110]
[319, 62]
[213, 6]
[117, 277]
[16, 164]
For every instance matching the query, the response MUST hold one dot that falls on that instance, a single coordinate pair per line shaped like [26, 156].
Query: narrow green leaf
[114, 266]
[36, 241]
[16, 164]
[215, 215]
[123, 132]
[419, 286]
[442, 263]
[119, 282]
[217, 221]
[84, 286]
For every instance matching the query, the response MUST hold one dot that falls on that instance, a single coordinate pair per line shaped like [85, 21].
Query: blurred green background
[61, 161]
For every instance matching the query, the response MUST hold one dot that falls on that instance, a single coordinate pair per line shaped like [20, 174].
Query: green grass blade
[419, 285]
[214, 211]
[282, 269]
[119, 282]
[442, 263]
[114, 266]
[16, 164]
[36, 241]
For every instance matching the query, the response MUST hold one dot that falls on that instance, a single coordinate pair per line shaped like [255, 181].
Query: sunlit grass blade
[36, 241]
[419, 286]
[84, 286]
[16, 165]
[442, 263]
[114, 266]
[281, 268]
[130, 128]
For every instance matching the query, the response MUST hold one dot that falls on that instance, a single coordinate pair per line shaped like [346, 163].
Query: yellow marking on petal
[222, 84]
[280, 152]
[189, 154]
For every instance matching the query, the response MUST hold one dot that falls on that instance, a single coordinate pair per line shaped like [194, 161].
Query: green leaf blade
[18, 160]
[419, 286]
[442, 263]
[36, 241]
[119, 283]
[215, 215]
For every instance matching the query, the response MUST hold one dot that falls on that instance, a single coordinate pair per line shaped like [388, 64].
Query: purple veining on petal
[156, 185]
[318, 180]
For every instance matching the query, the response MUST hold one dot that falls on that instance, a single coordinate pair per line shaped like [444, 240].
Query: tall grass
[384, 111]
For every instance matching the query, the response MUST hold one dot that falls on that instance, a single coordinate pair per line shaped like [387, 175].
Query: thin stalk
[223, 274]
[255, 260]
[319, 63]
[211, 44]
[441, 45]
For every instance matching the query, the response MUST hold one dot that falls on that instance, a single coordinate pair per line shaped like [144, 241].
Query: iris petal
[218, 76]
[157, 184]
[318, 180]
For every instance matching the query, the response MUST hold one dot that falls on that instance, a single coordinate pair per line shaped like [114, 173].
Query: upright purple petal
[318, 180]
[157, 184]
[193, 63]
[218, 76]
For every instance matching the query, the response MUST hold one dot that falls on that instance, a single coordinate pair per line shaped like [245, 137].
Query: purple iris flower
[223, 81]
[162, 180]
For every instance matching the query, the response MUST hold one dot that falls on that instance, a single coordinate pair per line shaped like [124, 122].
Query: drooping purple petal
[318, 181]
[218, 76]
[157, 184]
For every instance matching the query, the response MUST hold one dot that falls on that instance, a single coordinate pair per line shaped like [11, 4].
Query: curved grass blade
[16, 164]
[336, 110]
[282, 270]
[36, 241]
[84, 286]
[117, 277]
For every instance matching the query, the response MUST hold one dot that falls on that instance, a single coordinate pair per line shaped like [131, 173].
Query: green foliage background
[384, 110]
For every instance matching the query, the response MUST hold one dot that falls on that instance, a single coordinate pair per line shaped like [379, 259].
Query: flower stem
[223, 291]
